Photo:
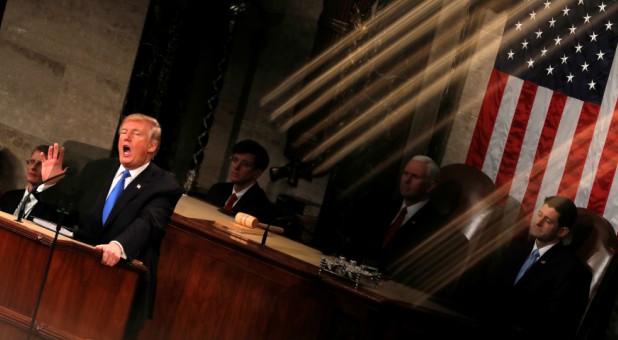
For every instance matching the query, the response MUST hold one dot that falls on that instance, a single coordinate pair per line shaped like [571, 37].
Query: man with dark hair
[538, 288]
[242, 193]
[25, 203]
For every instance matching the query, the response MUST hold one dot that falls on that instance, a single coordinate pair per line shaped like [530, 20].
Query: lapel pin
[139, 186]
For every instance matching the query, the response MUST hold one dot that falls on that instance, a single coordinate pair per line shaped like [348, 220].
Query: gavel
[249, 221]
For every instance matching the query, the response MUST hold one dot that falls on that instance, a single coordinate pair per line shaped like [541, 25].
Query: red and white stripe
[534, 142]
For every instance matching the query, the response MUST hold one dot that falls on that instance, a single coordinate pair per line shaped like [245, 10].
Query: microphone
[270, 225]
[22, 210]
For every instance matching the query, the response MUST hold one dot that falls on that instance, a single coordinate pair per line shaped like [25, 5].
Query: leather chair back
[593, 240]
[466, 194]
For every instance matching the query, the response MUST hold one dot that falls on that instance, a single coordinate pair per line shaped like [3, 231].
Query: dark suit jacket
[547, 302]
[426, 253]
[138, 220]
[10, 200]
[403, 259]
[254, 202]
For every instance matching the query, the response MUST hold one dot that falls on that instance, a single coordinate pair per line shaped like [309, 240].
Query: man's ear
[258, 173]
[564, 231]
[432, 186]
[152, 147]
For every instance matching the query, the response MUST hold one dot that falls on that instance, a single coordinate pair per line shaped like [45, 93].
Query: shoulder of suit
[222, 186]
[257, 190]
[431, 210]
[11, 195]
[14, 192]
[255, 187]
[561, 253]
[159, 174]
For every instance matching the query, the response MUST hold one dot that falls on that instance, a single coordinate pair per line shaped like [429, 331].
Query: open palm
[51, 164]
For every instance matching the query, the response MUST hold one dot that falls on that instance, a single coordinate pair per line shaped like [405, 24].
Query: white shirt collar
[411, 210]
[544, 249]
[242, 192]
[134, 173]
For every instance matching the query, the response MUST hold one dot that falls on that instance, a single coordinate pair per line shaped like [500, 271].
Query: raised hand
[51, 164]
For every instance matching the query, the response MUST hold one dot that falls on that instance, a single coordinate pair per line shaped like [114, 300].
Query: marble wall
[480, 65]
[65, 67]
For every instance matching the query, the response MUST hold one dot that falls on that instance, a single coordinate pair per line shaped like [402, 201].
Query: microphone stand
[280, 219]
[265, 235]
[52, 248]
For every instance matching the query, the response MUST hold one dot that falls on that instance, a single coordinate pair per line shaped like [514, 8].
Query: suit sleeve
[151, 221]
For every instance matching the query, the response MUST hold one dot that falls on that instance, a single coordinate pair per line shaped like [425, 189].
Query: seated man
[24, 203]
[242, 193]
[538, 288]
[411, 240]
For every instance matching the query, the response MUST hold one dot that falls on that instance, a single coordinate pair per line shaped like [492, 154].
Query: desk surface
[191, 207]
[36, 228]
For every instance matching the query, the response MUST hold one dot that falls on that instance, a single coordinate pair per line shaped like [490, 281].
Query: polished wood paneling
[215, 284]
[81, 297]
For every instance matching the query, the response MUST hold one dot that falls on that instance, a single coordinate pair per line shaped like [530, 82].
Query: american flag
[548, 123]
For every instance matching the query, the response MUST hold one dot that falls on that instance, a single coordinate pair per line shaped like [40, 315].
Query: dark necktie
[113, 196]
[21, 207]
[529, 262]
[395, 226]
[230, 202]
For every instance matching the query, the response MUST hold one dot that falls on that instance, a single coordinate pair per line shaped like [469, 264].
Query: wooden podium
[81, 299]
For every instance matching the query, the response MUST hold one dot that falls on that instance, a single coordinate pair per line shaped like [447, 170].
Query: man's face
[546, 228]
[33, 169]
[242, 169]
[135, 146]
[414, 184]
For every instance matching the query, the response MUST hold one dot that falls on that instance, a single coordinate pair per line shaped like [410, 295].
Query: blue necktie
[529, 262]
[113, 196]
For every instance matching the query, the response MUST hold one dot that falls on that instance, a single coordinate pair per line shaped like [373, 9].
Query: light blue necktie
[113, 196]
[529, 262]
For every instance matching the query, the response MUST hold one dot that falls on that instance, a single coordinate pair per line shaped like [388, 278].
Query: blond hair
[155, 128]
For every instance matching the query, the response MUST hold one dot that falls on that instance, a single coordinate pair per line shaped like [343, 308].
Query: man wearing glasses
[23, 202]
[242, 193]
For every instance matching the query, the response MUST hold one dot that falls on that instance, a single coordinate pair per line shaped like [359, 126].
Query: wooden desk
[217, 284]
[81, 298]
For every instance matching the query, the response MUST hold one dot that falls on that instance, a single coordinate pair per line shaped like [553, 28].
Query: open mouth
[126, 150]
